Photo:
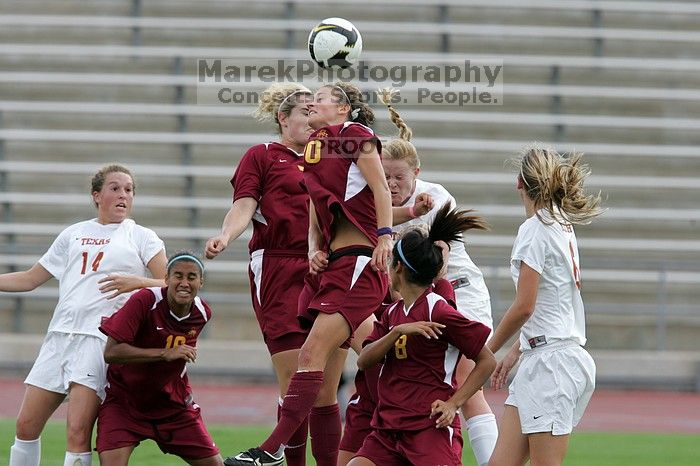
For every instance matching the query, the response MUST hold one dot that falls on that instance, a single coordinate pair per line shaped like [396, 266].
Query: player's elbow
[110, 353]
[109, 356]
[364, 362]
[486, 361]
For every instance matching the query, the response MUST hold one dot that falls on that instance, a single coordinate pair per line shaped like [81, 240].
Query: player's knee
[79, 433]
[27, 429]
[328, 395]
[312, 356]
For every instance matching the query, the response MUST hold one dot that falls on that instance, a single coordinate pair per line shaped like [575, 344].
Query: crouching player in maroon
[420, 339]
[151, 338]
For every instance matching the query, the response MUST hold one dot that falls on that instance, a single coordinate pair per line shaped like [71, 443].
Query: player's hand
[119, 284]
[424, 204]
[318, 262]
[444, 413]
[382, 253]
[186, 352]
[215, 245]
[503, 368]
[427, 329]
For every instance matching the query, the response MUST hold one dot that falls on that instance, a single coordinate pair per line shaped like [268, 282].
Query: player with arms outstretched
[94, 261]
[268, 190]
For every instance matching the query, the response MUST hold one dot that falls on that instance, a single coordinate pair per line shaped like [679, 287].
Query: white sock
[78, 459]
[25, 452]
[483, 433]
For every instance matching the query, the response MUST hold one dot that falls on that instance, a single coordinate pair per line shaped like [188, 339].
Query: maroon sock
[295, 453]
[325, 429]
[301, 395]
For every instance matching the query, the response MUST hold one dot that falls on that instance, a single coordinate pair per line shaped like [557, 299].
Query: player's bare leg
[211, 461]
[83, 404]
[331, 378]
[512, 448]
[344, 457]
[285, 364]
[360, 461]
[37, 407]
[116, 457]
[480, 425]
[547, 449]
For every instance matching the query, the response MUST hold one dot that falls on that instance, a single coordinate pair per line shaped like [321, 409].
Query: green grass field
[586, 449]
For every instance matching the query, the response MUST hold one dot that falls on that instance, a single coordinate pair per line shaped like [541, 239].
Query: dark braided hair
[419, 253]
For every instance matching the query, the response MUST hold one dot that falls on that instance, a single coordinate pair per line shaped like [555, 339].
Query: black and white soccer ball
[335, 43]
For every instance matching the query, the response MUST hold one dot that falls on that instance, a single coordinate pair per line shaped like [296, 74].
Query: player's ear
[282, 118]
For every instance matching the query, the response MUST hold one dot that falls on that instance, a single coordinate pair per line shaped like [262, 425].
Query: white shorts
[552, 387]
[67, 358]
[480, 311]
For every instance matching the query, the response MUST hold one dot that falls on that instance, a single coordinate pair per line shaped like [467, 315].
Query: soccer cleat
[254, 457]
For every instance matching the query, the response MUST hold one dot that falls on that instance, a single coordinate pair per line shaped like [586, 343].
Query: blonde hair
[555, 183]
[279, 98]
[401, 148]
[350, 94]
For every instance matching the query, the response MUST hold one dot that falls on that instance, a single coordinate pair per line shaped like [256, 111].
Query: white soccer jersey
[460, 266]
[551, 251]
[83, 254]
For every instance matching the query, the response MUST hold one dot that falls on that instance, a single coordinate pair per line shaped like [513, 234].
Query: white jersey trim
[158, 293]
[200, 306]
[355, 183]
[360, 265]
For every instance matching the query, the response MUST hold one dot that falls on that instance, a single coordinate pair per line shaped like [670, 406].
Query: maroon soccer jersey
[334, 181]
[272, 174]
[153, 390]
[418, 371]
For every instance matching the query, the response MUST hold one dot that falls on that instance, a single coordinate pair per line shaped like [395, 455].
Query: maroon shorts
[358, 417]
[275, 284]
[348, 286]
[427, 447]
[184, 435]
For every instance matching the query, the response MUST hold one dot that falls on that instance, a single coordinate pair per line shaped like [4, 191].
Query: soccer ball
[335, 43]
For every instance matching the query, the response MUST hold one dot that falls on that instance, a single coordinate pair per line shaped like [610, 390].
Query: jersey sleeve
[124, 324]
[530, 247]
[444, 288]
[149, 244]
[381, 328]
[249, 178]
[360, 135]
[467, 335]
[55, 260]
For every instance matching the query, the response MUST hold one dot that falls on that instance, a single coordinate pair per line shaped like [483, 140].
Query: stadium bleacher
[82, 85]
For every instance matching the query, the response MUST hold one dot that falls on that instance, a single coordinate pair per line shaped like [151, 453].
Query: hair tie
[403, 258]
[355, 113]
